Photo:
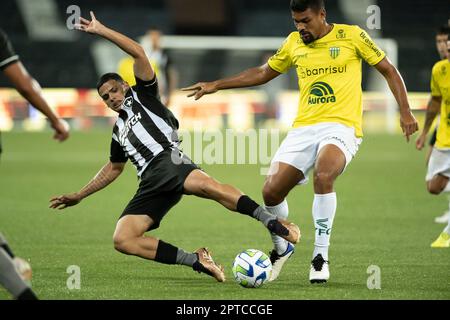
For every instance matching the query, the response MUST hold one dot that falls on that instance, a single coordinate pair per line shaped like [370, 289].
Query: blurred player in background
[29, 88]
[146, 133]
[272, 91]
[441, 46]
[161, 64]
[438, 173]
[327, 131]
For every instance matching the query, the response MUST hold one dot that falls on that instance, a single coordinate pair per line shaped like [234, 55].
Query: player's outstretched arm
[30, 89]
[248, 78]
[142, 68]
[408, 122]
[104, 177]
[432, 110]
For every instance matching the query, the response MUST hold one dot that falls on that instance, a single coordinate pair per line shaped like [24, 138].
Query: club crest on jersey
[128, 102]
[334, 52]
[320, 93]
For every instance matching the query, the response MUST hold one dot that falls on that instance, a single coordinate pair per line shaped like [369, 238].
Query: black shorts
[161, 186]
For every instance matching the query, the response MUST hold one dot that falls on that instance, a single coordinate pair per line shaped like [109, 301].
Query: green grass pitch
[384, 218]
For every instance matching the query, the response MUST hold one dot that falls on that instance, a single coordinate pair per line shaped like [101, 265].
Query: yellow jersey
[126, 70]
[329, 74]
[440, 87]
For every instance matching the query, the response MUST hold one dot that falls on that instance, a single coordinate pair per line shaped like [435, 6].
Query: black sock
[246, 205]
[166, 253]
[28, 294]
[249, 207]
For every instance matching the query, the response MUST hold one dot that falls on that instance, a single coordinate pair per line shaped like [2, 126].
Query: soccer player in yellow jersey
[327, 131]
[441, 46]
[439, 165]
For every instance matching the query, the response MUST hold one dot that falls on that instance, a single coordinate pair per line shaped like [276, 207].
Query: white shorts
[302, 145]
[439, 164]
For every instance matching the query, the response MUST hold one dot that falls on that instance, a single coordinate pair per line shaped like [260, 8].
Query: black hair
[303, 5]
[444, 29]
[108, 76]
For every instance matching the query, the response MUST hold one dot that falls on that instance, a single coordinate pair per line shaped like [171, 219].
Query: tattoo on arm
[102, 179]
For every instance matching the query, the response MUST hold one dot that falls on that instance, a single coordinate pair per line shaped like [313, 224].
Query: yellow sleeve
[126, 71]
[366, 48]
[435, 90]
[282, 60]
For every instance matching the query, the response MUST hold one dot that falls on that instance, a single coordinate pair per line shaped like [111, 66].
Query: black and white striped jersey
[144, 128]
[7, 54]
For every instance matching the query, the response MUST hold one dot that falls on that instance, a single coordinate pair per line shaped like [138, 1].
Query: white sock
[324, 209]
[447, 228]
[282, 212]
[447, 188]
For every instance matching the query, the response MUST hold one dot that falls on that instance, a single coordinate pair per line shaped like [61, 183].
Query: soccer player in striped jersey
[328, 129]
[438, 173]
[146, 133]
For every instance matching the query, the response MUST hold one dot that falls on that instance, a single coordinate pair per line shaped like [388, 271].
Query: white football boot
[319, 272]
[279, 260]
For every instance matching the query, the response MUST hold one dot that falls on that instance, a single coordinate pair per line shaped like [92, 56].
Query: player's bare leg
[200, 184]
[281, 180]
[437, 184]
[330, 163]
[129, 239]
[445, 217]
[436, 187]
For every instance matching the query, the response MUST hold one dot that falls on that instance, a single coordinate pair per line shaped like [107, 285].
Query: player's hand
[409, 124]
[61, 128]
[94, 26]
[64, 201]
[420, 142]
[200, 89]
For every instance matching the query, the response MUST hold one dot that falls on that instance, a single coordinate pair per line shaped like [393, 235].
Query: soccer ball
[252, 268]
[23, 268]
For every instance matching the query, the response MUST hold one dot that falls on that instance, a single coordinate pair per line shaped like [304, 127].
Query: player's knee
[323, 180]
[434, 188]
[122, 244]
[119, 243]
[271, 195]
